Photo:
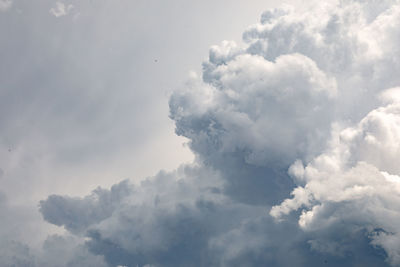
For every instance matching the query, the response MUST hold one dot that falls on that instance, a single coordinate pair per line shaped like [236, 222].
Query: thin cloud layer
[5, 5]
[296, 136]
[60, 9]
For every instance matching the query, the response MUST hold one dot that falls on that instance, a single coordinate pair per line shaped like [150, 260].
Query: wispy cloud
[5, 5]
[61, 9]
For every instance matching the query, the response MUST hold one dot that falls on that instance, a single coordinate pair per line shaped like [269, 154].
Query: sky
[203, 133]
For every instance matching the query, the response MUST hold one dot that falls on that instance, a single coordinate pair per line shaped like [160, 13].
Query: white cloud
[243, 91]
[60, 9]
[356, 183]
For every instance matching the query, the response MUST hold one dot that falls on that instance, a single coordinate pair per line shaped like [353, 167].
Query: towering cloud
[296, 135]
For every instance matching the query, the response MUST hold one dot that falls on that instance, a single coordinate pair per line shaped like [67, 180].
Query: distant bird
[155, 60]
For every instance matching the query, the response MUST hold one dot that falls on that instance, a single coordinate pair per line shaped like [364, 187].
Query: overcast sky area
[199, 133]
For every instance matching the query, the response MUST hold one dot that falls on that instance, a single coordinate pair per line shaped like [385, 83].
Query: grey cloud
[56, 251]
[77, 214]
[67, 251]
[16, 254]
[175, 221]
[5, 5]
[165, 222]
[295, 110]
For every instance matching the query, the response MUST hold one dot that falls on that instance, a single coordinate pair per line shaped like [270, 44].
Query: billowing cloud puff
[240, 108]
[301, 107]
[184, 219]
[355, 184]
[165, 221]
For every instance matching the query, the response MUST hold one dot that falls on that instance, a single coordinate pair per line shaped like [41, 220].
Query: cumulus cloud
[354, 184]
[296, 135]
[167, 220]
[243, 91]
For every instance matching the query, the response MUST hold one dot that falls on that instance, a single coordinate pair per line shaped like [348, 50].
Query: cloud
[243, 91]
[355, 184]
[56, 251]
[92, 209]
[60, 9]
[5, 5]
[67, 251]
[16, 254]
[158, 220]
[302, 108]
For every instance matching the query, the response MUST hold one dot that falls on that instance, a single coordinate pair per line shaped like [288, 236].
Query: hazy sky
[85, 86]
[262, 133]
